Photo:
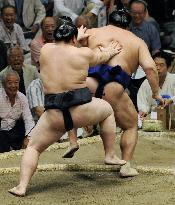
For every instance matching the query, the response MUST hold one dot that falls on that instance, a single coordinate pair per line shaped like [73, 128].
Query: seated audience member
[143, 29]
[47, 26]
[26, 72]
[147, 32]
[145, 102]
[29, 14]
[104, 11]
[74, 8]
[82, 20]
[11, 33]
[35, 96]
[3, 56]
[15, 116]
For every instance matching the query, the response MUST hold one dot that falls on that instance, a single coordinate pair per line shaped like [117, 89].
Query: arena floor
[85, 179]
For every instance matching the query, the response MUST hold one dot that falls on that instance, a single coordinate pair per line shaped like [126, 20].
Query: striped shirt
[35, 95]
[10, 114]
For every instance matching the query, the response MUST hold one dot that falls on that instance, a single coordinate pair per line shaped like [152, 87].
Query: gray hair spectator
[15, 116]
[83, 20]
[143, 29]
[26, 72]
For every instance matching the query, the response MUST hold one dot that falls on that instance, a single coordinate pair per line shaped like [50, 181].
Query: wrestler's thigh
[124, 110]
[48, 130]
[91, 113]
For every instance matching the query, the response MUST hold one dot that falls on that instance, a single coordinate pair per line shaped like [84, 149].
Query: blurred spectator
[146, 31]
[15, 116]
[3, 56]
[49, 5]
[82, 20]
[103, 13]
[74, 8]
[47, 26]
[29, 14]
[143, 29]
[11, 33]
[35, 96]
[26, 72]
[145, 101]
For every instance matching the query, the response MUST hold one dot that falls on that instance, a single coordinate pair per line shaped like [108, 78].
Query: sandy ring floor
[90, 167]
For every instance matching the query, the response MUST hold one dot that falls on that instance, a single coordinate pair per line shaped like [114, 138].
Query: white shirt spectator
[144, 97]
[74, 8]
[102, 16]
[11, 38]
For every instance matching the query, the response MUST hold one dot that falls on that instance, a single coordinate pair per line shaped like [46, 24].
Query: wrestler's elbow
[150, 71]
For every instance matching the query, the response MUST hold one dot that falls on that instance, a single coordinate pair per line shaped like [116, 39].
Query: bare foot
[114, 161]
[127, 171]
[16, 191]
[70, 152]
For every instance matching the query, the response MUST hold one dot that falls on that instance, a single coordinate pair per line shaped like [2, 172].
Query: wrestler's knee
[108, 108]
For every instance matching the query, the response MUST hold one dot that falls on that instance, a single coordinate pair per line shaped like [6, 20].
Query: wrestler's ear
[74, 41]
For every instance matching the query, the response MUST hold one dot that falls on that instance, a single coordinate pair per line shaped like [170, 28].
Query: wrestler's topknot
[120, 18]
[65, 31]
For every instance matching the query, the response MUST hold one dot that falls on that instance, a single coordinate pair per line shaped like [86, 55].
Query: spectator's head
[8, 14]
[16, 58]
[48, 26]
[66, 32]
[82, 21]
[120, 18]
[10, 82]
[138, 10]
[163, 62]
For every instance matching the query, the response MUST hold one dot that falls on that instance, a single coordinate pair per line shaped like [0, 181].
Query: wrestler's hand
[113, 48]
[168, 102]
[82, 34]
[160, 100]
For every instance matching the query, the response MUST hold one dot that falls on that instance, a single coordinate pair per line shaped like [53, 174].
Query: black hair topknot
[120, 17]
[65, 31]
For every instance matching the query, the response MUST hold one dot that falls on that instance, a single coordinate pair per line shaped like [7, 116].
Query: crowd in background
[25, 26]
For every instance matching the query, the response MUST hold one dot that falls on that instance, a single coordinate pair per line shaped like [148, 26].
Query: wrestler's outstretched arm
[148, 65]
